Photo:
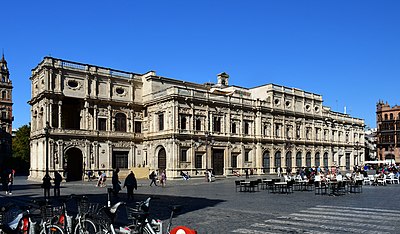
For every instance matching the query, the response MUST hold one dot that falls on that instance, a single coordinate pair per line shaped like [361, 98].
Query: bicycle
[140, 223]
[84, 222]
[50, 217]
[16, 221]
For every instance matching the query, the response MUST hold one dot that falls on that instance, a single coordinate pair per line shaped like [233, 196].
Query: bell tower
[6, 116]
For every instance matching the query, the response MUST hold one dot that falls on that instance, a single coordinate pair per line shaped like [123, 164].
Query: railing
[73, 65]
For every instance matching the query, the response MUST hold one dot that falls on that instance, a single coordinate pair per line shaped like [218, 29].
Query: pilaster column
[59, 114]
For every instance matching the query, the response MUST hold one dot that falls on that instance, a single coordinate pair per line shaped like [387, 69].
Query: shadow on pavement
[159, 205]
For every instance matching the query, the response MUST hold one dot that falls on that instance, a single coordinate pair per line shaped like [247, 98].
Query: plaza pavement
[216, 207]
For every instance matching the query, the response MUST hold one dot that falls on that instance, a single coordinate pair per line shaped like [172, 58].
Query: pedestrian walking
[209, 173]
[57, 183]
[247, 173]
[46, 185]
[10, 182]
[4, 180]
[130, 184]
[115, 182]
[163, 180]
[279, 170]
[90, 175]
[153, 178]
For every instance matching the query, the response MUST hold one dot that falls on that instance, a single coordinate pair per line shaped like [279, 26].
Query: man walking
[57, 183]
[130, 184]
[153, 178]
[115, 182]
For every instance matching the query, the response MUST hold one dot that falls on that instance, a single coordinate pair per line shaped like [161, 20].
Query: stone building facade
[6, 116]
[388, 131]
[101, 118]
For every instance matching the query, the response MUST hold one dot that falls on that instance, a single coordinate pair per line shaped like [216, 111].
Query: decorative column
[59, 114]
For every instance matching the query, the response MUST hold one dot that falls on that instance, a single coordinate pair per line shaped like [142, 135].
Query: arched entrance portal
[73, 164]
[162, 159]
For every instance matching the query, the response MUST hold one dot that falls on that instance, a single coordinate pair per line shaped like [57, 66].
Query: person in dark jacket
[130, 184]
[46, 185]
[57, 183]
[115, 182]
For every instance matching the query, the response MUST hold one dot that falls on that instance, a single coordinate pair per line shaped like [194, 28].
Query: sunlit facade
[101, 118]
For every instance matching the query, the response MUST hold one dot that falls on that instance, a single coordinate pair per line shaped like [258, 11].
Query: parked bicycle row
[55, 217]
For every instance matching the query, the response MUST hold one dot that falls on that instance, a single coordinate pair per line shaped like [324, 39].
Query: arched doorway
[162, 159]
[317, 159]
[73, 164]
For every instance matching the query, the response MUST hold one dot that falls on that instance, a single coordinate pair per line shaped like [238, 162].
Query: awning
[387, 161]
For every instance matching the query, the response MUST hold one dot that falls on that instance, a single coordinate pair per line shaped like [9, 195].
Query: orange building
[388, 132]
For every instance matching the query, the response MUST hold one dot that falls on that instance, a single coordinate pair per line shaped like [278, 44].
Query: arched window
[289, 159]
[317, 159]
[298, 159]
[308, 159]
[386, 117]
[278, 159]
[266, 161]
[120, 122]
[4, 95]
[326, 160]
[391, 116]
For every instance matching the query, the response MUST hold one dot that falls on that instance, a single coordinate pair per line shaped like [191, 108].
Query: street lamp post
[206, 136]
[46, 131]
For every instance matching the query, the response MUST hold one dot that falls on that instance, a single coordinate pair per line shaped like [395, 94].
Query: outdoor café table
[300, 185]
[279, 186]
[265, 182]
[333, 187]
[246, 185]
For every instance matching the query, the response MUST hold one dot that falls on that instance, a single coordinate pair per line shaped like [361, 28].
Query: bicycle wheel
[52, 229]
[86, 226]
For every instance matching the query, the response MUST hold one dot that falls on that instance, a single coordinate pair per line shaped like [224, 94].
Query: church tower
[6, 116]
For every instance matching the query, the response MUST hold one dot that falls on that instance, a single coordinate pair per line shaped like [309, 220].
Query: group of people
[7, 180]
[153, 177]
[46, 185]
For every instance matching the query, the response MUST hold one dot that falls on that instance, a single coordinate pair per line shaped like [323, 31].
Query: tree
[21, 149]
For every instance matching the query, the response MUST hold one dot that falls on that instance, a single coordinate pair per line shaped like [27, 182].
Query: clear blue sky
[340, 49]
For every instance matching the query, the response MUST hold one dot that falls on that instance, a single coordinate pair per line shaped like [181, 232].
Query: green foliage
[21, 149]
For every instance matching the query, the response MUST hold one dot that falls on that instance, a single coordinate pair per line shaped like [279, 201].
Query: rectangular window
[246, 127]
[102, 124]
[198, 161]
[183, 155]
[161, 122]
[217, 124]
[4, 115]
[233, 126]
[198, 124]
[246, 156]
[183, 122]
[347, 161]
[234, 161]
[54, 117]
[138, 126]
[120, 159]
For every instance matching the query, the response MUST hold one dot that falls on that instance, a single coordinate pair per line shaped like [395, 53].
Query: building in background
[388, 132]
[6, 117]
[370, 144]
[100, 118]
